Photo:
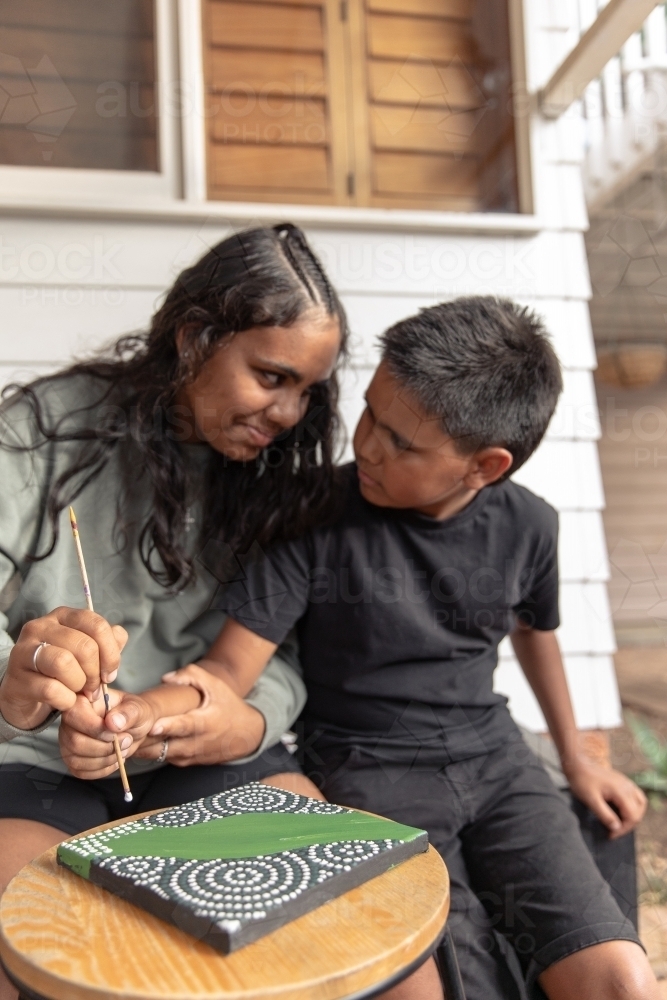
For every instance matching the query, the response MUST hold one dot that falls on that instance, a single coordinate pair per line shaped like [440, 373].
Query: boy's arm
[262, 606]
[539, 654]
[138, 713]
[238, 656]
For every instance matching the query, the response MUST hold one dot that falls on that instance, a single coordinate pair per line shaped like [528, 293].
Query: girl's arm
[597, 787]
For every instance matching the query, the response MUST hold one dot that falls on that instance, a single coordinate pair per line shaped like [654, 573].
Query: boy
[400, 604]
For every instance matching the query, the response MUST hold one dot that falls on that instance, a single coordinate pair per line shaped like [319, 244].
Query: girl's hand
[83, 651]
[601, 787]
[86, 734]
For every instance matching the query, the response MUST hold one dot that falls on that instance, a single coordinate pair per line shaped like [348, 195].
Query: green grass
[654, 779]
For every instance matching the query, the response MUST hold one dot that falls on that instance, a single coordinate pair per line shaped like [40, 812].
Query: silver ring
[35, 654]
[163, 752]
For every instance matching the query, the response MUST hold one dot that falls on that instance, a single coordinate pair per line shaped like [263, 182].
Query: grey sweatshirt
[166, 630]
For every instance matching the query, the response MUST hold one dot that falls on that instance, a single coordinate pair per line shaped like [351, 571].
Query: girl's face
[257, 384]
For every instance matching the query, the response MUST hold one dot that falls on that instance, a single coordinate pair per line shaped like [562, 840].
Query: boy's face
[406, 460]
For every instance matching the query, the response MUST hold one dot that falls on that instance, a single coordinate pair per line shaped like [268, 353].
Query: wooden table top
[66, 939]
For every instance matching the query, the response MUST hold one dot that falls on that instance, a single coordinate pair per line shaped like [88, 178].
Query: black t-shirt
[399, 617]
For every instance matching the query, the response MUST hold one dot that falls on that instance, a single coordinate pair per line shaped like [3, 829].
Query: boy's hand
[601, 787]
[86, 734]
[134, 714]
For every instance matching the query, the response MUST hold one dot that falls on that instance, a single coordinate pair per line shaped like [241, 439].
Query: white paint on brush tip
[128, 796]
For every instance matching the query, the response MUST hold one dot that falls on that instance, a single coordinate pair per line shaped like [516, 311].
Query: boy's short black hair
[484, 366]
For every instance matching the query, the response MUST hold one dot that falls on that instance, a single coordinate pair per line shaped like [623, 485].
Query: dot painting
[234, 866]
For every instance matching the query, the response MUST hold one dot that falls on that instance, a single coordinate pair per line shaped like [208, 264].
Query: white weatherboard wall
[68, 285]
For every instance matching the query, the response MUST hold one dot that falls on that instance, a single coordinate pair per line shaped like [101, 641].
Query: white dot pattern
[246, 889]
[228, 895]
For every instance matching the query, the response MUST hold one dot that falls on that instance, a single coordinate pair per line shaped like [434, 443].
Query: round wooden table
[62, 938]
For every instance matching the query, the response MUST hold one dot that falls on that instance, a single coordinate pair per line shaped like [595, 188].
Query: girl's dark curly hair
[259, 277]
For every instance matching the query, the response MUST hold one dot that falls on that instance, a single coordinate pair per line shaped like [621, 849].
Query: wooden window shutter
[381, 103]
[276, 101]
[437, 131]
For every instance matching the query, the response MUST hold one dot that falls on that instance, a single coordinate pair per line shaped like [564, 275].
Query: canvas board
[237, 865]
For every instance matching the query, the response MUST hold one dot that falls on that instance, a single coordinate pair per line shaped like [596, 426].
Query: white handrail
[625, 109]
[598, 43]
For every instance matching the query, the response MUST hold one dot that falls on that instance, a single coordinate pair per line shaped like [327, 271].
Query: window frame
[182, 180]
[127, 185]
[518, 28]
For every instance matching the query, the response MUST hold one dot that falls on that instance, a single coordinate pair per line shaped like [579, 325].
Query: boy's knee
[629, 974]
[292, 781]
[612, 970]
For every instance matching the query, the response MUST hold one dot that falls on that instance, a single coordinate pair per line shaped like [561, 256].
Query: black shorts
[525, 891]
[74, 805]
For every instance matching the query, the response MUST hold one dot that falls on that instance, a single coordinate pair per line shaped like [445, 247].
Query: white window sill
[168, 210]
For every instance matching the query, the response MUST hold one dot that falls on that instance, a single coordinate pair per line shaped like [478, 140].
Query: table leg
[448, 967]
[29, 995]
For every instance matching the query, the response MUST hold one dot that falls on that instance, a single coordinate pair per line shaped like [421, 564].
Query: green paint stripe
[248, 835]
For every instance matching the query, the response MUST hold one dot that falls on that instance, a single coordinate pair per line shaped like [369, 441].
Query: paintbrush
[105, 689]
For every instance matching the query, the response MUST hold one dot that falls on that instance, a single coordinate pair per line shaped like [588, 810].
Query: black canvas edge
[224, 942]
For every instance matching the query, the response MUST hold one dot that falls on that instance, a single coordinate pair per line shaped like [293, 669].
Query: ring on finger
[36, 654]
[163, 752]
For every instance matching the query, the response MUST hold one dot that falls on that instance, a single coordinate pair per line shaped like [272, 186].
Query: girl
[213, 431]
